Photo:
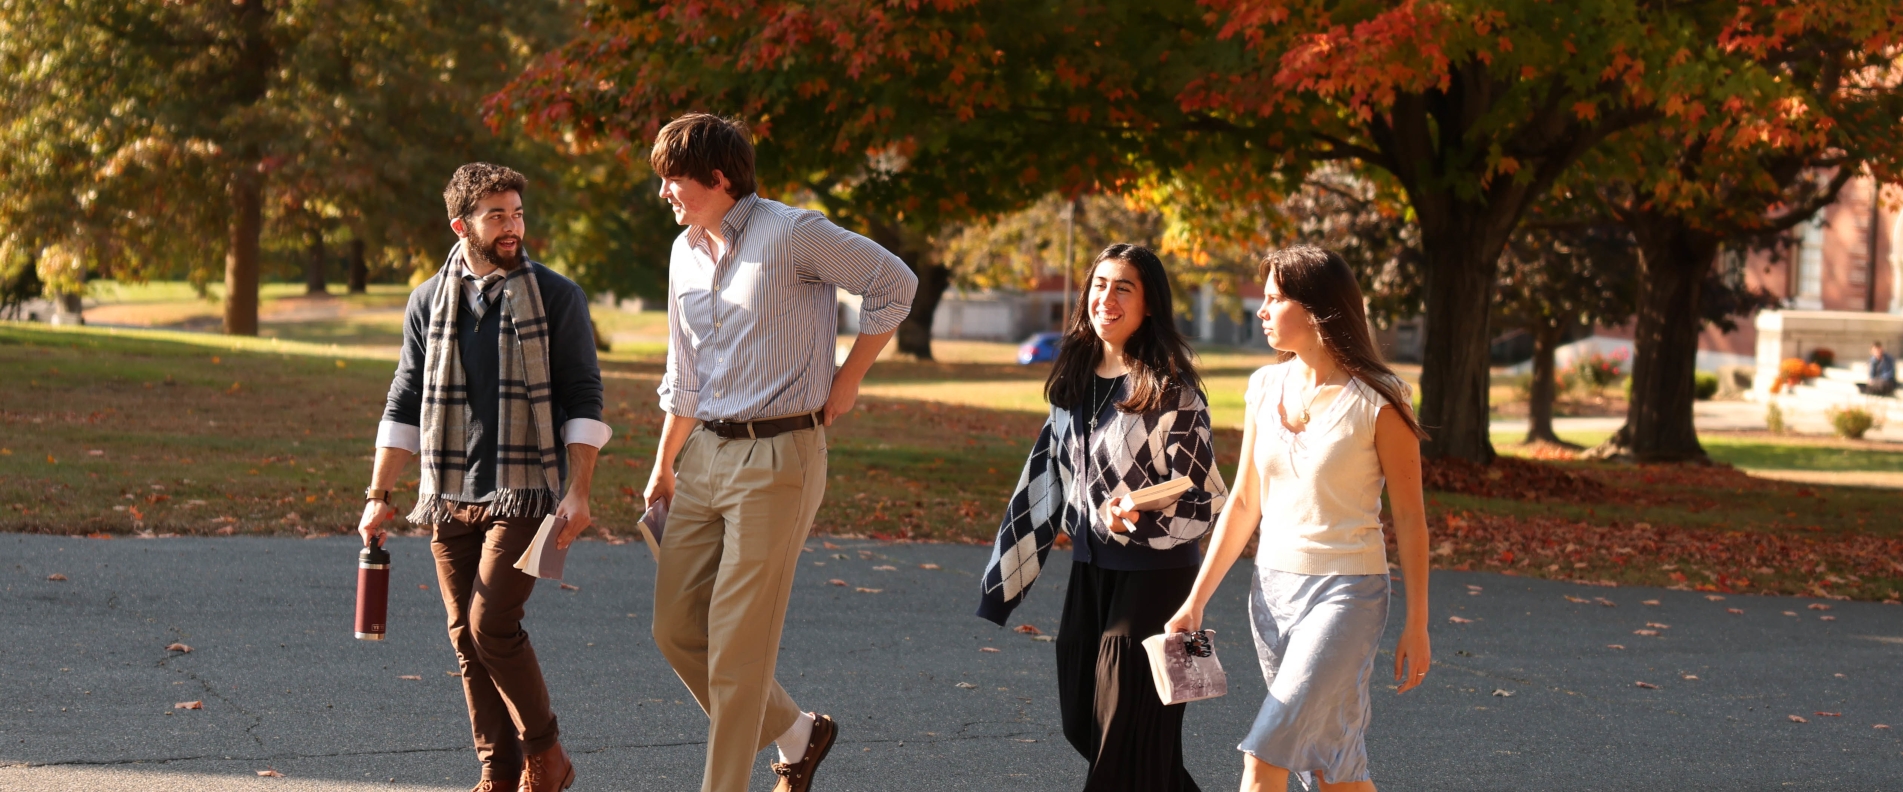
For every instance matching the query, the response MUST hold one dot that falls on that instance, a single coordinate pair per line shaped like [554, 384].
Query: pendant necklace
[1312, 393]
[1109, 393]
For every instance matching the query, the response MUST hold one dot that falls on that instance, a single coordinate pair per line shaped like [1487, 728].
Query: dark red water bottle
[373, 591]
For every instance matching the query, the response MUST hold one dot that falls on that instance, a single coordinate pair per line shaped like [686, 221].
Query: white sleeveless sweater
[1321, 487]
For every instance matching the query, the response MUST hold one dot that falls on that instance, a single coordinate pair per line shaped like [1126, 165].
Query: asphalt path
[1525, 694]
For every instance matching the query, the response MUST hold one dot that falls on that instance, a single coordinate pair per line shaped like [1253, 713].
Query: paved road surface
[87, 688]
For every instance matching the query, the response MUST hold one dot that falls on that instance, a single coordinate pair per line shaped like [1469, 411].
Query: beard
[485, 252]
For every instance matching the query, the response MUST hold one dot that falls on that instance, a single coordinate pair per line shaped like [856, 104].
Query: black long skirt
[1111, 712]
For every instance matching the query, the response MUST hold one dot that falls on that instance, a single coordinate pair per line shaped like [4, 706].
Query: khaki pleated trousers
[741, 512]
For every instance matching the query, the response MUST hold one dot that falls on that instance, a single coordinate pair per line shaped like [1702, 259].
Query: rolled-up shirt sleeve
[586, 431]
[830, 254]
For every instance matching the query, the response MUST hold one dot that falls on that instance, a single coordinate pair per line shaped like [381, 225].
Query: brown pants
[740, 515]
[484, 594]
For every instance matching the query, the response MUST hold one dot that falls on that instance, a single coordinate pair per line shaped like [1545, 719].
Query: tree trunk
[241, 253]
[1455, 368]
[1674, 260]
[359, 271]
[915, 333]
[1540, 397]
[314, 267]
[250, 81]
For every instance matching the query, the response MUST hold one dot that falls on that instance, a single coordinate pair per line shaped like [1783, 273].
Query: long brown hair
[1320, 281]
[1158, 356]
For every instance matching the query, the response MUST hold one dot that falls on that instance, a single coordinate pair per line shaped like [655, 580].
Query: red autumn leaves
[1707, 559]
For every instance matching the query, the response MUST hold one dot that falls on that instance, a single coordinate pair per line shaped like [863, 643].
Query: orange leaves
[1646, 685]
[270, 773]
[1028, 629]
[189, 705]
[179, 648]
[56, 577]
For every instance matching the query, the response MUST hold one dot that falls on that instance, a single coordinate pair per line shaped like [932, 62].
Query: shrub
[1774, 419]
[1851, 422]
[1793, 372]
[1824, 357]
[1596, 371]
[1704, 385]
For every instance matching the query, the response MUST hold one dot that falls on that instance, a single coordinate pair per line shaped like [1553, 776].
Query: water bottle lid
[374, 554]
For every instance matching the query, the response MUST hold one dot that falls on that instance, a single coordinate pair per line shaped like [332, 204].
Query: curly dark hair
[476, 181]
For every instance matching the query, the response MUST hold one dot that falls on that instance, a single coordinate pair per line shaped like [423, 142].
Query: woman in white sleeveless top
[1325, 428]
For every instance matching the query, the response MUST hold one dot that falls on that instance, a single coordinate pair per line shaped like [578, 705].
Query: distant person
[750, 387]
[1127, 412]
[496, 377]
[1324, 430]
[1882, 372]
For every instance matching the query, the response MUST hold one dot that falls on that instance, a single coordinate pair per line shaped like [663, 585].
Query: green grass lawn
[120, 431]
[1756, 453]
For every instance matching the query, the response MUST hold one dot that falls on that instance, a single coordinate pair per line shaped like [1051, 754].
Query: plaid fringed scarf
[528, 472]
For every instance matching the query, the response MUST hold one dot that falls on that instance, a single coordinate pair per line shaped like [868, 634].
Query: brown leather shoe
[798, 776]
[548, 771]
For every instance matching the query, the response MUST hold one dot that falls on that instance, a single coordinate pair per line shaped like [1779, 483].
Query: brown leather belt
[762, 429]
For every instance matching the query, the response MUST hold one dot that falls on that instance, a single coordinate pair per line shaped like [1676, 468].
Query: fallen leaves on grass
[197, 705]
[179, 647]
[1511, 478]
[1609, 551]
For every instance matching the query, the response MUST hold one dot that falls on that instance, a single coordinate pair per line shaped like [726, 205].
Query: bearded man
[498, 354]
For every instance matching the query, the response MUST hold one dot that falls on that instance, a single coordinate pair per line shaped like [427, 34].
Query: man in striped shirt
[749, 390]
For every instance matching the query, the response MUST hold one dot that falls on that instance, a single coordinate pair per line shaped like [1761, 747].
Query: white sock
[793, 743]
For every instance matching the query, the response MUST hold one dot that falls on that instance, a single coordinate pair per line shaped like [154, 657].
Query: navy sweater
[574, 373]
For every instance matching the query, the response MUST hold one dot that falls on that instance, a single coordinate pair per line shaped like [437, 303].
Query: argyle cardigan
[1127, 452]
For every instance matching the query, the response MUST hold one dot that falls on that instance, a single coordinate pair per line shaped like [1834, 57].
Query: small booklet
[653, 524]
[1157, 496]
[543, 559]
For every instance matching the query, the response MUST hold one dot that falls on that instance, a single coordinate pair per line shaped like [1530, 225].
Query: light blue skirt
[1316, 636]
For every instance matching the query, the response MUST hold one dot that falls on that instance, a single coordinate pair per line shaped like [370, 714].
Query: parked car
[1040, 348]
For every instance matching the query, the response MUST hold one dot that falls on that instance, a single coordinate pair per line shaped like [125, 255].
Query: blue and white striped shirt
[752, 336]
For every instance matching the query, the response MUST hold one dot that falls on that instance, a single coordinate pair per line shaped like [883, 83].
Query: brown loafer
[548, 771]
[798, 776]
